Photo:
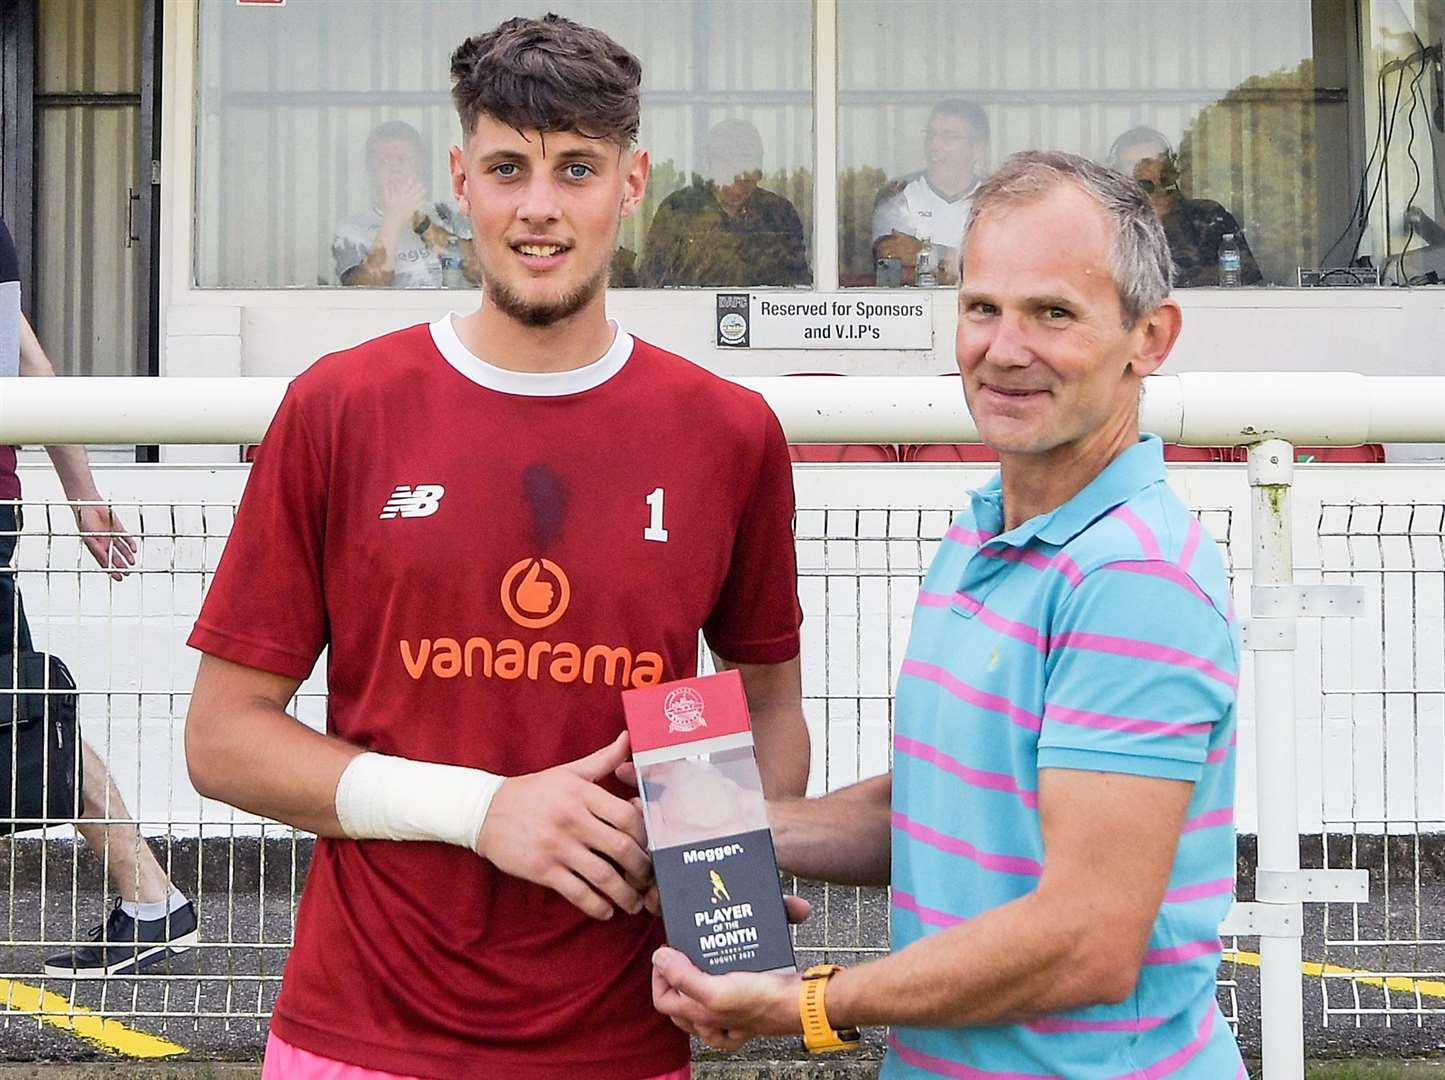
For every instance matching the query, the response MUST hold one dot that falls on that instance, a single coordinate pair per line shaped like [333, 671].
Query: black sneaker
[124, 946]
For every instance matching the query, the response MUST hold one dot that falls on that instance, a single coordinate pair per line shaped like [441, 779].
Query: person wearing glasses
[930, 207]
[1196, 228]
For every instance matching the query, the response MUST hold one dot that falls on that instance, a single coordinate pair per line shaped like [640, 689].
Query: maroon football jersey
[491, 558]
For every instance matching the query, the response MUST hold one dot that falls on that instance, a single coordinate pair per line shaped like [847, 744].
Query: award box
[707, 824]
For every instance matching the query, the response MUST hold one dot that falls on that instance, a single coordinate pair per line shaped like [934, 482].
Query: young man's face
[1045, 357]
[544, 211]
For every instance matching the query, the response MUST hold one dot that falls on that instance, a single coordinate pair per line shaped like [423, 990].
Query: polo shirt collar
[1128, 474]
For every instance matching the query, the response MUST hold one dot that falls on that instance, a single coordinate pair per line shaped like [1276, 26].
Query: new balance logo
[421, 501]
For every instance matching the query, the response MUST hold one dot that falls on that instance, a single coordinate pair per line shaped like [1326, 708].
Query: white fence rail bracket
[1248, 919]
[1307, 601]
[1269, 635]
[1317, 886]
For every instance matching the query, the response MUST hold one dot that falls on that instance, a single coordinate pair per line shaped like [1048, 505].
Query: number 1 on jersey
[654, 530]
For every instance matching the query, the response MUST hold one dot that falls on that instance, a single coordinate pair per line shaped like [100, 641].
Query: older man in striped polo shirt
[1058, 825]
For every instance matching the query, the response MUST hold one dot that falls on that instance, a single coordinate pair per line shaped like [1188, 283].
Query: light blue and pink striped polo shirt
[1098, 636]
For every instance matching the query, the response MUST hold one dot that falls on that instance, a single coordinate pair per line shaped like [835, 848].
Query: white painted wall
[280, 332]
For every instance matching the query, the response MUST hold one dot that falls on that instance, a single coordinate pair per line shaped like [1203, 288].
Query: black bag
[39, 743]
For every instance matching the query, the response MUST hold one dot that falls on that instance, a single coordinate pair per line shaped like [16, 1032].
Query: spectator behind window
[723, 229]
[1195, 227]
[404, 240]
[932, 205]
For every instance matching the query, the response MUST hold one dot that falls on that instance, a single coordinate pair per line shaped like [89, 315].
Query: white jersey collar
[530, 383]
[924, 185]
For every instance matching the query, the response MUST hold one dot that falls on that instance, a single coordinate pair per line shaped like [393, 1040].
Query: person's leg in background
[112, 835]
[151, 918]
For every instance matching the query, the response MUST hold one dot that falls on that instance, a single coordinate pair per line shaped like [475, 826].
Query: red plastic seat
[1369, 453]
[1175, 452]
[974, 452]
[873, 452]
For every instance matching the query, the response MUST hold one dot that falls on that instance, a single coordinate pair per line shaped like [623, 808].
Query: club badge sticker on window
[707, 824]
[733, 310]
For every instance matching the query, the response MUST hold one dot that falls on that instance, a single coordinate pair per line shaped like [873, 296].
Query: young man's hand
[106, 538]
[561, 829]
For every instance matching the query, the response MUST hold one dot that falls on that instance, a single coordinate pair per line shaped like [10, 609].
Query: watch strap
[819, 1036]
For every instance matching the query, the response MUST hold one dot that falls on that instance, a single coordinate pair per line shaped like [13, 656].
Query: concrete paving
[214, 1000]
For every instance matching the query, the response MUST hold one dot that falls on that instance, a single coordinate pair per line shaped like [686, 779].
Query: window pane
[1403, 91]
[292, 97]
[1235, 112]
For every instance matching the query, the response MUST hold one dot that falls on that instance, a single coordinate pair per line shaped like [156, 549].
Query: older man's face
[1041, 343]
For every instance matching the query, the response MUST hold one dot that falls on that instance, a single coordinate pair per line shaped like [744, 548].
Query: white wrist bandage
[390, 798]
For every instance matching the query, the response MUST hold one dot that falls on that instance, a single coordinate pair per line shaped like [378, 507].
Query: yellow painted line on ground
[1423, 987]
[102, 1033]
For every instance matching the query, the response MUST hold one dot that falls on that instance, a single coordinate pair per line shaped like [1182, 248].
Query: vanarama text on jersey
[563, 662]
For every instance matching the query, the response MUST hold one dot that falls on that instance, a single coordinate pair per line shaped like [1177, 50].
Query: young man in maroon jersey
[495, 523]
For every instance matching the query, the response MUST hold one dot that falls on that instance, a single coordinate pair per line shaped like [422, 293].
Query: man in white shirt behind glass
[931, 206]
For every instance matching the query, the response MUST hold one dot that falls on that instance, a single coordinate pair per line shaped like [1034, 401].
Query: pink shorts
[286, 1062]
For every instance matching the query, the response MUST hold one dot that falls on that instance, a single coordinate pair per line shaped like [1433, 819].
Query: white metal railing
[1195, 408]
[1264, 411]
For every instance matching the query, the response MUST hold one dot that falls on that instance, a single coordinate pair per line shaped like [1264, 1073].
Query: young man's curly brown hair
[548, 74]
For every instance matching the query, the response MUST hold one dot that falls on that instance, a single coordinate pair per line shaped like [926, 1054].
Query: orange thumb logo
[534, 596]
[533, 601]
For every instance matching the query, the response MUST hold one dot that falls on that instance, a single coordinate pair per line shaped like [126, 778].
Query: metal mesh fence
[1383, 693]
[124, 642]
[1381, 736]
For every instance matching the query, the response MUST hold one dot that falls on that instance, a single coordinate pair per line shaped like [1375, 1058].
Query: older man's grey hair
[1139, 256]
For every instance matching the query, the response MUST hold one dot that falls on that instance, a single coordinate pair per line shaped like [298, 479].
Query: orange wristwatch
[819, 1036]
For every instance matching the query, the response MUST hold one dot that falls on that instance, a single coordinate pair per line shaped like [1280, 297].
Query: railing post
[1281, 993]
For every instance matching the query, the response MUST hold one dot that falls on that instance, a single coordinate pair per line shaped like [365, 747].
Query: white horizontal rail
[1195, 408]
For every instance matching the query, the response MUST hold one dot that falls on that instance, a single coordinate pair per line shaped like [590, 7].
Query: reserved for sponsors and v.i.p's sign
[850, 320]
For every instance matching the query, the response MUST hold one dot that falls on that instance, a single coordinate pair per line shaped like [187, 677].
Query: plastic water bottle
[925, 269]
[1229, 262]
[451, 260]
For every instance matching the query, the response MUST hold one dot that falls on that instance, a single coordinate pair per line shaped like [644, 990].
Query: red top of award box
[688, 710]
